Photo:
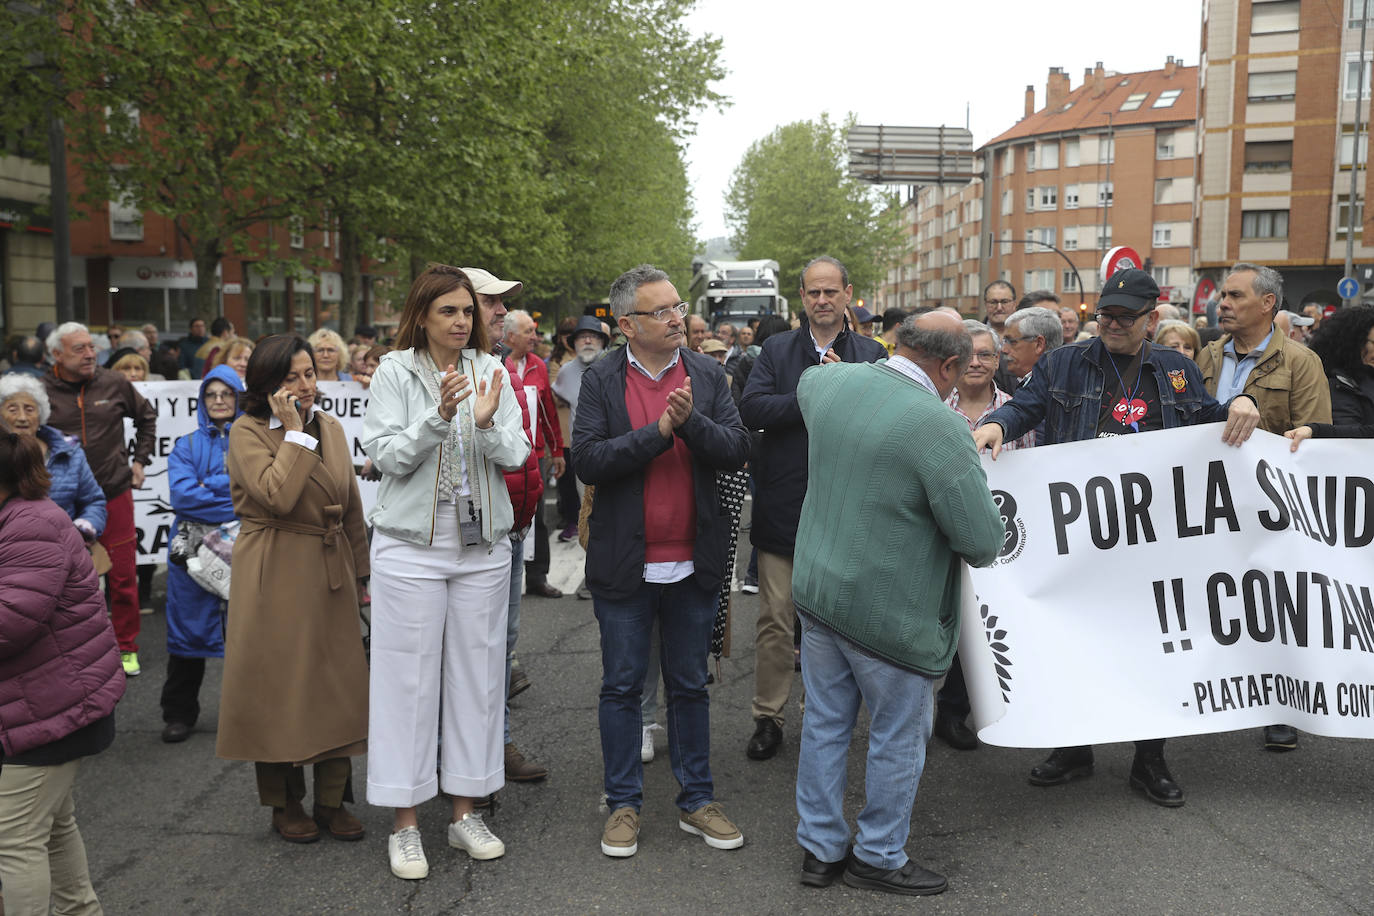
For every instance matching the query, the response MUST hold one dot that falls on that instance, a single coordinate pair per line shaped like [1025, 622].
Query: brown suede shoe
[293, 825]
[518, 769]
[340, 823]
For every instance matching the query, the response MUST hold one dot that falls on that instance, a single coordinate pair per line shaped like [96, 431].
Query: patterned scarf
[458, 454]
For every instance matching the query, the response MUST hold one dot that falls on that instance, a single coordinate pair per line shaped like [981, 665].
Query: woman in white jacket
[442, 421]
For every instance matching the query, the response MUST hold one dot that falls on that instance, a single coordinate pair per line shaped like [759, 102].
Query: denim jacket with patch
[1065, 391]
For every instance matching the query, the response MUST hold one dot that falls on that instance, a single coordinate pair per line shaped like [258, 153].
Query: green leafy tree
[790, 200]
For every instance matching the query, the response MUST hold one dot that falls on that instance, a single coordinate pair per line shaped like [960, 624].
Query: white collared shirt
[297, 436]
[913, 372]
[630, 352]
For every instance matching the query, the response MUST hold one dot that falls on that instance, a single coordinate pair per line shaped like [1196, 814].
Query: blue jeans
[685, 612]
[517, 574]
[838, 677]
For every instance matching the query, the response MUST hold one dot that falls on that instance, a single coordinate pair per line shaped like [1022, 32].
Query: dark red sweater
[670, 511]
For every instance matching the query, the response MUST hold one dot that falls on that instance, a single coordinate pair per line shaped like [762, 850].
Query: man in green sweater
[876, 583]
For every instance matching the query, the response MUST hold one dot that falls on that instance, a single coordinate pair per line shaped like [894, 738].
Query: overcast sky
[924, 64]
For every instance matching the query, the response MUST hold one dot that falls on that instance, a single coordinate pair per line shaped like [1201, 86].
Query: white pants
[438, 642]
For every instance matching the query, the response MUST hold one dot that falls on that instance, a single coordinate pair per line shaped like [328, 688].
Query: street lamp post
[1077, 277]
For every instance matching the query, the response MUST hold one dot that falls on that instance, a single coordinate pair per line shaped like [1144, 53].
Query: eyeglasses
[984, 356]
[1120, 320]
[1008, 341]
[219, 395]
[999, 301]
[665, 313]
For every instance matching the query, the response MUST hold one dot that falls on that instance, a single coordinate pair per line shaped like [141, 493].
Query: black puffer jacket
[770, 404]
[1352, 396]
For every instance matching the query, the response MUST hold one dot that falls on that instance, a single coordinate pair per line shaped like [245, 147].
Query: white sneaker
[646, 742]
[407, 855]
[472, 835]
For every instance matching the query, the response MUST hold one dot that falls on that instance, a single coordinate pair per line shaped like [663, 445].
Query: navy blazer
[610, 455]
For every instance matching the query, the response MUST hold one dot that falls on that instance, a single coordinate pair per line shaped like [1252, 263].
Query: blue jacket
[73, 485]
[1065, 391]
[199, 485]
[610, 455]
[770, 404]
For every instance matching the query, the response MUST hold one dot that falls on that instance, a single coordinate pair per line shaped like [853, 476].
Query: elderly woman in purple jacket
[56, 643]
[198, 483]
[24, 408]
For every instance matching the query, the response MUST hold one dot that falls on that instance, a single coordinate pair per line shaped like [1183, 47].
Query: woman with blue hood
[199, 485]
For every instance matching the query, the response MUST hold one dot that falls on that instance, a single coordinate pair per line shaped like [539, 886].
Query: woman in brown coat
[295, 678]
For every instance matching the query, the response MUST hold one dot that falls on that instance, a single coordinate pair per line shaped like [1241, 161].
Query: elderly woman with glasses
[331, 356]
[24, 409]
[198, 481]
[974, 395]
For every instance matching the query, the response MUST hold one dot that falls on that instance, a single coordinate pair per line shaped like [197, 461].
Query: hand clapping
[678, 410]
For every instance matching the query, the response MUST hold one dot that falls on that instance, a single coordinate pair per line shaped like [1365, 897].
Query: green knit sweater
[895, 496]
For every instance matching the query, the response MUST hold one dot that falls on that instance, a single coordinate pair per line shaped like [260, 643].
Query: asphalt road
[173, 829]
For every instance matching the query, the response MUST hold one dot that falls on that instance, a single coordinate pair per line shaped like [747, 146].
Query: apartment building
[26, 263]
[1277, 118]
[1108, 163]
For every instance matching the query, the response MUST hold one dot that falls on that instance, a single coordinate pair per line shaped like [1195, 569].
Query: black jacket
[1352, 396]
[610, 455]
[770, 404]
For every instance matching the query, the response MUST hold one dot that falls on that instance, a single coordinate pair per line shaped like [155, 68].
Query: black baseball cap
[1131, 288]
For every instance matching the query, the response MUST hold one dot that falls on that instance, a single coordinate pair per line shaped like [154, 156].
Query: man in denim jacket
[1113, 385]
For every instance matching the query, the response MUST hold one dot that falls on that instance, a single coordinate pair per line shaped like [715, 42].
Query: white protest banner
[175, 403]
[1166, 584]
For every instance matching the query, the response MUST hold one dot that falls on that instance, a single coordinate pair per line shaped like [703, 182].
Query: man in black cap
[1142, 388]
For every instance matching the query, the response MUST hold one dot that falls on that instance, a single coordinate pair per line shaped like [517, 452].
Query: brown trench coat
[295, 678]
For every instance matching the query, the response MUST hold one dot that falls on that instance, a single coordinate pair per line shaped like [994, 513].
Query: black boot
[1150, 775]
[1063, 764]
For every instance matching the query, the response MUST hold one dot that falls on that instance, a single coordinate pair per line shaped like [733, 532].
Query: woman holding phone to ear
[442, 424]
[295, 677]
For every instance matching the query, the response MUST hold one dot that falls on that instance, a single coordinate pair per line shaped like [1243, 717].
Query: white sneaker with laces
[407, 854]
[646, 743]
[472, 835]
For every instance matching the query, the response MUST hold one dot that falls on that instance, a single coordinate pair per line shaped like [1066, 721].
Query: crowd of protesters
[650, 427]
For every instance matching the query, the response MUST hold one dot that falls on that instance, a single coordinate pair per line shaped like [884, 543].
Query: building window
[1269, 156]
[1009, 160]
[1274, 16]
[1006, 203]
[1106, 149]
[1164, 236]
[1071, 153]
[126, 219]
[1049, 155]
[1354, 66]
[1006, 241]
[1104, 194]
[1160, 275]
[1343, 216]
[1264, 224]
[1104, 237]
[1164, 144]
[1358, 10]
[1167, 98]
[1030, 199]
[1070, 197]
[1348, 146]
[296, 227]
[1275, 86]
[1049, 197]
[1133, 101]
[1070, 238]
[1039, 279]
[1043, 235]
[1070, 284]
[1164, 190]
[1030, 158]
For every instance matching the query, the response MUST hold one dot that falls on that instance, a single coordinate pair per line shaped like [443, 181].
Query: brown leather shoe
[518, 769]
[542, 590]
[293, 825]
[340, 823]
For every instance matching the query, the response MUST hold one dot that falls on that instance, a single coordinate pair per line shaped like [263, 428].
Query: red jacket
[59, 664]
[526, 486]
